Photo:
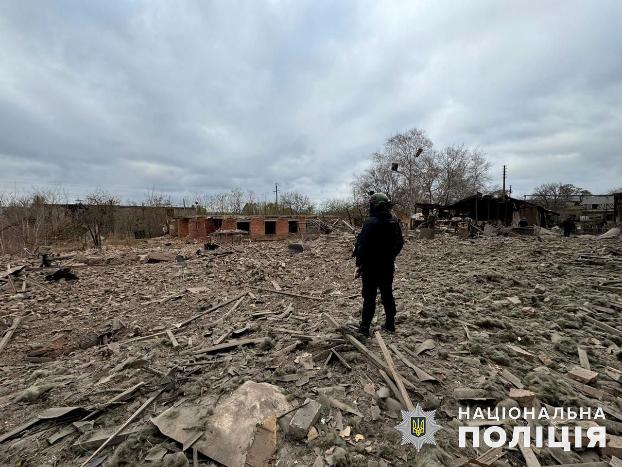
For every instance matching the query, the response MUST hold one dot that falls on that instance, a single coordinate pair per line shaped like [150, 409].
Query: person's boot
[389, 324]
[364, 330]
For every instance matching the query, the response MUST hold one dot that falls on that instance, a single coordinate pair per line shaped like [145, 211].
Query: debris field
[163, 352]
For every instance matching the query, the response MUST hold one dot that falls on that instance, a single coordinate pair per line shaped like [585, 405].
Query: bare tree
[97, 214]
[433, 176]
[235, 198]
[463, 172]
[157, 199]
[293, 202]
[556, 195]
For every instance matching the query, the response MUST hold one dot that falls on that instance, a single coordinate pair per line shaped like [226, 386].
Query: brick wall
[282, 227]
[200, 228]
[192, 228]
[182, 227]
[209, 226]
[229, 224]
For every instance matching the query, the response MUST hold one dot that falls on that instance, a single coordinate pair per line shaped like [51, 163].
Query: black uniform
[377, 246]
[569, 227]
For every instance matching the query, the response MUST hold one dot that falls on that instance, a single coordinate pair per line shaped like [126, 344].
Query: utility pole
[504, 176]
[505, 200]
[276, 194]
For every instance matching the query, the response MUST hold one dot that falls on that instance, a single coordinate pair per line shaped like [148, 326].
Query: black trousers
[375, 278]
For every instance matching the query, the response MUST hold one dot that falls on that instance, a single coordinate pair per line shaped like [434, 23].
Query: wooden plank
[239, 299]
[488, 458]
[373, 358]
[582, 464]
[614, 374]
[221, 339]
[138, 411]
[393, 387]
[348, 226]
[585, 389]
[340, 405]
[11, 283]
[171, 337]
[9, 333]
[230, 345]
[394, 373]
[116, 399]
[511, 378]
[530, 458]
[603, 326]
[221, 320]
[613, 412]
[421, 374]
[583, 359]
[41, 286]
[214, 308]
[289, 294]
[142, 338]
[341, 359]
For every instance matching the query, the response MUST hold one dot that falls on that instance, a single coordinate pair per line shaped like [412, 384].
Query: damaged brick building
[256, 227]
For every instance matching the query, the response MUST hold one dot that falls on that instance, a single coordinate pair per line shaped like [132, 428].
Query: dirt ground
[469, 312]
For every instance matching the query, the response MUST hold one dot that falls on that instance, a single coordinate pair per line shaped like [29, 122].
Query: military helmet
[380, 201]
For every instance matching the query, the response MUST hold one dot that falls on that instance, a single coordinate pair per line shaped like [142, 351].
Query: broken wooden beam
[373, 358]
[603, 326]
[584, 361]
[394, 389]
[214, 308]
[11, 283]
[38, 284]
[511, 378]
[530, 458]
[230, 345]
[138, 411]
[421, 374]
[394, 373]
[341, 359]
[9, 333]
[115, 400]
[184, 323]
[171, 337]
[290, 294]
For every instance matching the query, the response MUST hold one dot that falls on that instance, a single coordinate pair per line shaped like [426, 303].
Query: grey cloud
[195, 97]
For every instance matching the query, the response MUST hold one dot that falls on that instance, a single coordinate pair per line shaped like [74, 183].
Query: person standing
[377, 246]
[569, 226]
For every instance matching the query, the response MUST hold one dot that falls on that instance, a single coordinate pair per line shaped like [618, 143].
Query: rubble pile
[170, 353]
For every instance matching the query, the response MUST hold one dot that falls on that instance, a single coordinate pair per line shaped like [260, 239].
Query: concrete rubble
[162, 352]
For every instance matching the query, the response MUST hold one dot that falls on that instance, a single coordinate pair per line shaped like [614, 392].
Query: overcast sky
[187, 97]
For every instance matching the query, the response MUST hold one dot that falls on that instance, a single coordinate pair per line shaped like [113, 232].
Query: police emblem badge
[418, 427]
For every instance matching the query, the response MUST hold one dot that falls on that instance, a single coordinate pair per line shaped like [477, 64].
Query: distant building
[617, 210]
[496, 210]
[256, 227]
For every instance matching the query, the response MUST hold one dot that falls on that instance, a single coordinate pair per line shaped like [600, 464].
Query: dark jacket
[379, 242]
